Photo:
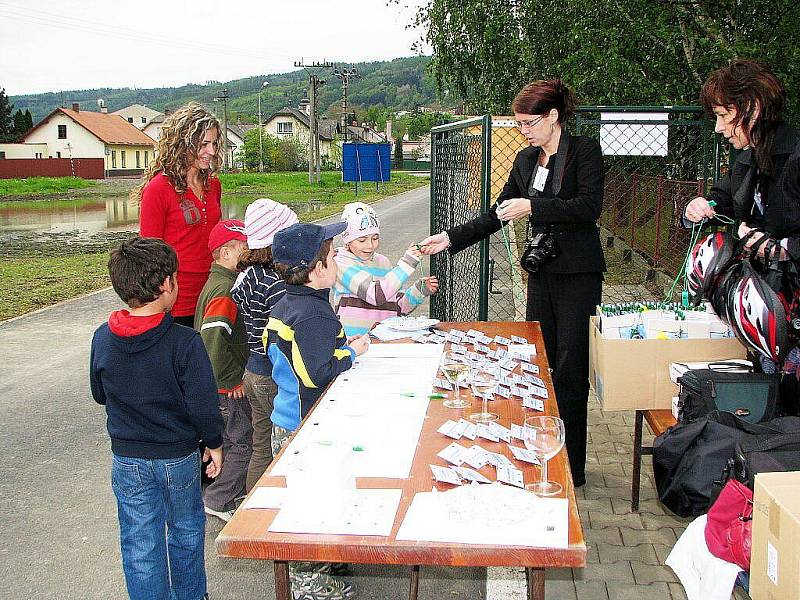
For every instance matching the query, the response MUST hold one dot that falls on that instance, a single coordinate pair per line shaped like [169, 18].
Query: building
[294, 122]
[73, 134]
[138, 115]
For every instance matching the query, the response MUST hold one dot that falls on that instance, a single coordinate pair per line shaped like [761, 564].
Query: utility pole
[314, 82]
[260, 130]
[346, 75]
[224, 97]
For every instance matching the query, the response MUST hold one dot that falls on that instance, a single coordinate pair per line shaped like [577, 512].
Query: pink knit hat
[361, 221]
[263, 219]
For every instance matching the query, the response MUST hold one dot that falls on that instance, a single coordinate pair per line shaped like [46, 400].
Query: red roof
[108, 128]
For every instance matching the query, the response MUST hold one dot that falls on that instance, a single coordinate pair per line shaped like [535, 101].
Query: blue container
[366, 162]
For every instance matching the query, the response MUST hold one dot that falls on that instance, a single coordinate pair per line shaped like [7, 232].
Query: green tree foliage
[20, 123]
[279, 154]
[28, 120]
[6, 120]
[611, 52]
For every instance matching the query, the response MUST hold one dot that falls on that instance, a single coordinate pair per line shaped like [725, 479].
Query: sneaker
[225, 515]
[319, 586]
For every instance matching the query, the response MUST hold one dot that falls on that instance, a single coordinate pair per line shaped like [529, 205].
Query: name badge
[540, 179]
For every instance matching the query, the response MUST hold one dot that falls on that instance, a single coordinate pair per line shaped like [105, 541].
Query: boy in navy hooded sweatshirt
[156, 382]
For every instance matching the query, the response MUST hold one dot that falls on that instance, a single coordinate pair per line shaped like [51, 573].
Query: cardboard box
[634, 374]
[775, 554]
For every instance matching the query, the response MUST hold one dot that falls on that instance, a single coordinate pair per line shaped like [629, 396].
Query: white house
[138, 115]
[293, 122]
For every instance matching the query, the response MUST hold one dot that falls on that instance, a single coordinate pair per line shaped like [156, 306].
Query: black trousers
[563, 303]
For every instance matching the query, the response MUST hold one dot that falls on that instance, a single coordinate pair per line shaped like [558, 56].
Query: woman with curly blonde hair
[180, 198]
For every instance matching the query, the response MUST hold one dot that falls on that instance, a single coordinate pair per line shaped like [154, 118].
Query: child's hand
[214, 468]
[414, 250]
[431, 284]
[237, 393]
[360, 344]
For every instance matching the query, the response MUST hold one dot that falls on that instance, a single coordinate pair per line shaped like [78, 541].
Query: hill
[399, 84]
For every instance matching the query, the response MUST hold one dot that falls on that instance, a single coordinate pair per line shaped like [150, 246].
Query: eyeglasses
[528, 122]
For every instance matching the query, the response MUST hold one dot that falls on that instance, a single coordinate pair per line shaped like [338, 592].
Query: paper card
[501, 340]
[481, 348]
[439, 333]
[504, 391]
[485, 432]
[539, 391]
[445, 475]
[474, 356]
[499, 460]
[504, 433]
[474, 334]
[451, 429]
[484, 339]
[507, 363]
[442, 384]
[523, 454]
[505, 380]
[468, 429]
[522, 351]
[265, 497]
[518, 340]
[500, 353]
[511, 476]
[458, 349]
[517, 391]
[535, 380]
[454, 454]
[476, 457]
[516, 431]
[533, 403]
[470, 475]
[529, 368]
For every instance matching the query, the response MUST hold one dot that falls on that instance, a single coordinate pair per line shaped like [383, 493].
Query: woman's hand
[435, 243]
[699, 209]
[514, 208]
[756, 241]
[431, 284]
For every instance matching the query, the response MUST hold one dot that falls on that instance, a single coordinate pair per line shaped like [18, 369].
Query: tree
[20, 123]
[6, 120]
[284, 154]
[28, 120]
[609, 51]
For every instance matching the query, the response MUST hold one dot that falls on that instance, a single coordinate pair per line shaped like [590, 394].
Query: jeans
[260, 391]
[161, 526]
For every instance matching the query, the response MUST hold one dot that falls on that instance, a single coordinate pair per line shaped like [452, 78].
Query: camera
[541, 248]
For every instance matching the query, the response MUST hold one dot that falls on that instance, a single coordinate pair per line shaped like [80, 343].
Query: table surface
[247, 535]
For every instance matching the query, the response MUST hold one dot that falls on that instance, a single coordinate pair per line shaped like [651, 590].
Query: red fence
[87, 168]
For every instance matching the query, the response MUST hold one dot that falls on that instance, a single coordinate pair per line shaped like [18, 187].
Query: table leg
[637, 460]
[282, 587]
[412, 594]
[535, 579]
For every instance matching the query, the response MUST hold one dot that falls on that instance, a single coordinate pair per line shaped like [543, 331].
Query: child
[222, 330]
[368, 289]
[156, 382]
[256, 291]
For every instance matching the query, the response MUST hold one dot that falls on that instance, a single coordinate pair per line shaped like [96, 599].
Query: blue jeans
[162, 526]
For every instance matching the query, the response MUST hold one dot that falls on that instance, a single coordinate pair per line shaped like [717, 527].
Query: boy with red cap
[222, 329]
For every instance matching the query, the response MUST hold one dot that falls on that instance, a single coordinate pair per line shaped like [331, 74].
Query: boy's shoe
[307, 585]
[225, 515]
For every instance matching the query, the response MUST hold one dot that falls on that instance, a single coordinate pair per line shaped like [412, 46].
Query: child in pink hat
[368, 287]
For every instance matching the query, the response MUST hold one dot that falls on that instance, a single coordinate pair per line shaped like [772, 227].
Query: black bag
[689, 457]
[752, 397]
[752, 456]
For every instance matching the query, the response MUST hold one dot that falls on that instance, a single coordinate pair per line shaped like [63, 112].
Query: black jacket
[570, 204]
[734, 192]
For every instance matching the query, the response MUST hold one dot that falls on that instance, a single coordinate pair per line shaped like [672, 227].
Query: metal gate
[654, 167]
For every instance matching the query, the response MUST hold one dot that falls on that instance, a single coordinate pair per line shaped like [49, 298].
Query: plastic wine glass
[544, 436]
[456, 373]
[484, 382]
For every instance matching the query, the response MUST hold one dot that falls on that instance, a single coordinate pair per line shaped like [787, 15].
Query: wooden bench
[658, 421]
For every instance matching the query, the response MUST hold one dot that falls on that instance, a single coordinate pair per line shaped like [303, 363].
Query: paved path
[59, 527]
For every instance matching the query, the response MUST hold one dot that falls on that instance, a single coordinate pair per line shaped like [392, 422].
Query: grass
[42, 185]
[33, 282]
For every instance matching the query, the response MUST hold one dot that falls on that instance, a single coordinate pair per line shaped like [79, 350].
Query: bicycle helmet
[708, 260]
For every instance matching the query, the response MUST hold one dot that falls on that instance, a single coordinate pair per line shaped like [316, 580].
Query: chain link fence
[656, 159]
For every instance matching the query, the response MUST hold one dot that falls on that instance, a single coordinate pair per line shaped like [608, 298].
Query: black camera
[541, 248]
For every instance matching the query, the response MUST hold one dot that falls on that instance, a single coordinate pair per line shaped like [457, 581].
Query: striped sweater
[256, 292]
[369, 291]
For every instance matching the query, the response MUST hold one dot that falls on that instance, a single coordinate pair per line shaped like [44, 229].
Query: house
[138, 115]
[153, 128]
[294, 122]
[73, 133]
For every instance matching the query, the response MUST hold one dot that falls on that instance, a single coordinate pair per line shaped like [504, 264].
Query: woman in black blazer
[557, 184]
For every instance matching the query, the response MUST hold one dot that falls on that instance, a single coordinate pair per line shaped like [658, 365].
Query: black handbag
[752, 456]
[689, 458]
[752, 397]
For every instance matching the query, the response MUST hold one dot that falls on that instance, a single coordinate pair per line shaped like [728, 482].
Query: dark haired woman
[557, 184]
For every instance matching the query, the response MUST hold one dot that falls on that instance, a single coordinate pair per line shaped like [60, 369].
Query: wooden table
[247, 535]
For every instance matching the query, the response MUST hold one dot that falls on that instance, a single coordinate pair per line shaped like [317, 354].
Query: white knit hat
[263, 219]
[361, 221]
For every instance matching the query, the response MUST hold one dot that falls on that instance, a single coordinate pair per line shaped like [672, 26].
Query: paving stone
[620, 571]
[605, 519]
[591, 590]
[662, 552]
[632, 537]
[651, 521]
[622, 506]
[623, 448]
[647, 574]
[592, 491]
[609, 535]
[599, 428]
[558, 590]
[613, 469]
[677, 591]
[601, 438]
[563, 574]
[592, 554]
[621, 591]
[643, 553]
[617, 481]
[595, 504]
[621, 429]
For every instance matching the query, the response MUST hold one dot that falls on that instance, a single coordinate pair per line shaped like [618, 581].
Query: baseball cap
[225, 231]
[298, 245]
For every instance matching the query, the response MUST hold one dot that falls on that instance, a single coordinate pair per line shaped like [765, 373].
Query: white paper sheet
[265, 497]
[487, 514]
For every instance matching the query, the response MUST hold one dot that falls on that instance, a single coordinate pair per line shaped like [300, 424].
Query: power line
[346, 75]
[313, 69]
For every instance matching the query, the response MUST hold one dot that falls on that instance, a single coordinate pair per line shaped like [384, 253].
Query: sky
[48, 46]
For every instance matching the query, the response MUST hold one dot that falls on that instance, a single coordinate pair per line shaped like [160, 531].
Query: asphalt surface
[59, 523]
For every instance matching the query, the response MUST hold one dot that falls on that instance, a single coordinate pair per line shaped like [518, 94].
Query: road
[58, 512]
